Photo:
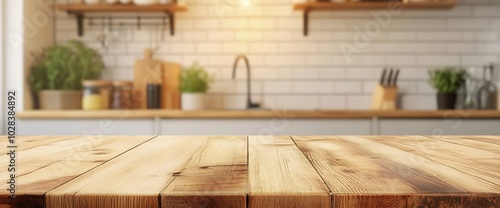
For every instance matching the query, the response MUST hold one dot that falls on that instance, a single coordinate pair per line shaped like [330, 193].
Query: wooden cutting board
[146, 71]
[171, 96]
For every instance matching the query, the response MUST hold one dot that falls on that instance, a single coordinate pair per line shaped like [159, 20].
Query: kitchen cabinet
[216, 122]
[439, 127]
[278, 126]
[86, 127]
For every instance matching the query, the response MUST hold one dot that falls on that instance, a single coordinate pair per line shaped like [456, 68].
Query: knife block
[384, 98]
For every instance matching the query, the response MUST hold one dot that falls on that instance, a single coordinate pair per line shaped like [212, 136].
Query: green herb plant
[64, 67]
[195, 79]
[447, 80]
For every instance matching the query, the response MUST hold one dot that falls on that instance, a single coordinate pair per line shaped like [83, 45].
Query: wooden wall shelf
[79, 10]
[313, 6]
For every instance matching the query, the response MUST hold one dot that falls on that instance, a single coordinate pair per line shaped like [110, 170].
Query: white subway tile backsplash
[477, 60]
[312, 87]
[359, 102]
[269, 48]
[298, 48]
[262, 23]
[438, 60]
[318, 60]
[284, 60]
[303, 102]
[333, 73]
[348, 87]
[305, 73]
[333, 67]
[468, 23]
[212, 48]
[277, 35]
[401, 60]
[332, 102]
[204, 23]
[419, 102]
[248, 35]
[425, 88]
[235, 47]
[220, 35]
[360, 73]
[183, 48]
[195, 35]
[278, 87]
[488, 11]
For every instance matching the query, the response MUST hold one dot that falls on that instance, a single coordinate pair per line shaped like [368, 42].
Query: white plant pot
[193, 101]
[145, 2]
[92, 1]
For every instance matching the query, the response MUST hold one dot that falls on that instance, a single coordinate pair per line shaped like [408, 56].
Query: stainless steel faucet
[250, 104]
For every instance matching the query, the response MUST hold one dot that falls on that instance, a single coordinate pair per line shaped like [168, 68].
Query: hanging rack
[80, 10]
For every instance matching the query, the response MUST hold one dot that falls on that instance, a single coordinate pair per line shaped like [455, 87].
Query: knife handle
[382, 78]
[389, 79]
[395, 80]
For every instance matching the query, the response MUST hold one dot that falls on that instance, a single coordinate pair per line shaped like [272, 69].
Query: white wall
[13, 38]
[298, 72]
[2, 72]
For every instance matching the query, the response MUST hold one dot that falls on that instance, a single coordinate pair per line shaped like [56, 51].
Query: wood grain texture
[56, 161]
[403, 171]
[214, 177]
[134, 179]
[28, 142]
[171, 96]
[48, 114]
[280, 176]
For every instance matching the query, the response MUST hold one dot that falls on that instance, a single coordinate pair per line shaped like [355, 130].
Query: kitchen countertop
[219, 114]
[257, 172]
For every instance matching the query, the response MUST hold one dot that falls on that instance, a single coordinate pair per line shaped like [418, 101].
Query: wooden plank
[473, 141]
[134, 179]
[280, 176]
[477, 163]
[362, 172]
[46, 166]
[216, 176]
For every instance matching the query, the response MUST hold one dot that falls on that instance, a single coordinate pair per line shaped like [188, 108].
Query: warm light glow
[245, 2]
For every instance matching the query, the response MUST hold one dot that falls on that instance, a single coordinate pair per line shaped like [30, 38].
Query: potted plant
[194, 84]
[57, 75]
[447, 81]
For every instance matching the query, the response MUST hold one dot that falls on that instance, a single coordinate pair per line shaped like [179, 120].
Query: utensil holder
[384, 98]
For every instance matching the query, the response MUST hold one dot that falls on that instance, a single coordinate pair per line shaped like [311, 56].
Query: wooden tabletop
[254, 171]
[276, 113]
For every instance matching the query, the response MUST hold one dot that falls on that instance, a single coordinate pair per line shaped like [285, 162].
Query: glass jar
[122, 91]
[96, 94]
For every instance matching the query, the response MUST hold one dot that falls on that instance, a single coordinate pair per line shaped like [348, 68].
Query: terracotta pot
[60, 99]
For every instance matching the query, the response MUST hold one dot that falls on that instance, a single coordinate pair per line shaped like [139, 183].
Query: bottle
[487, 93]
